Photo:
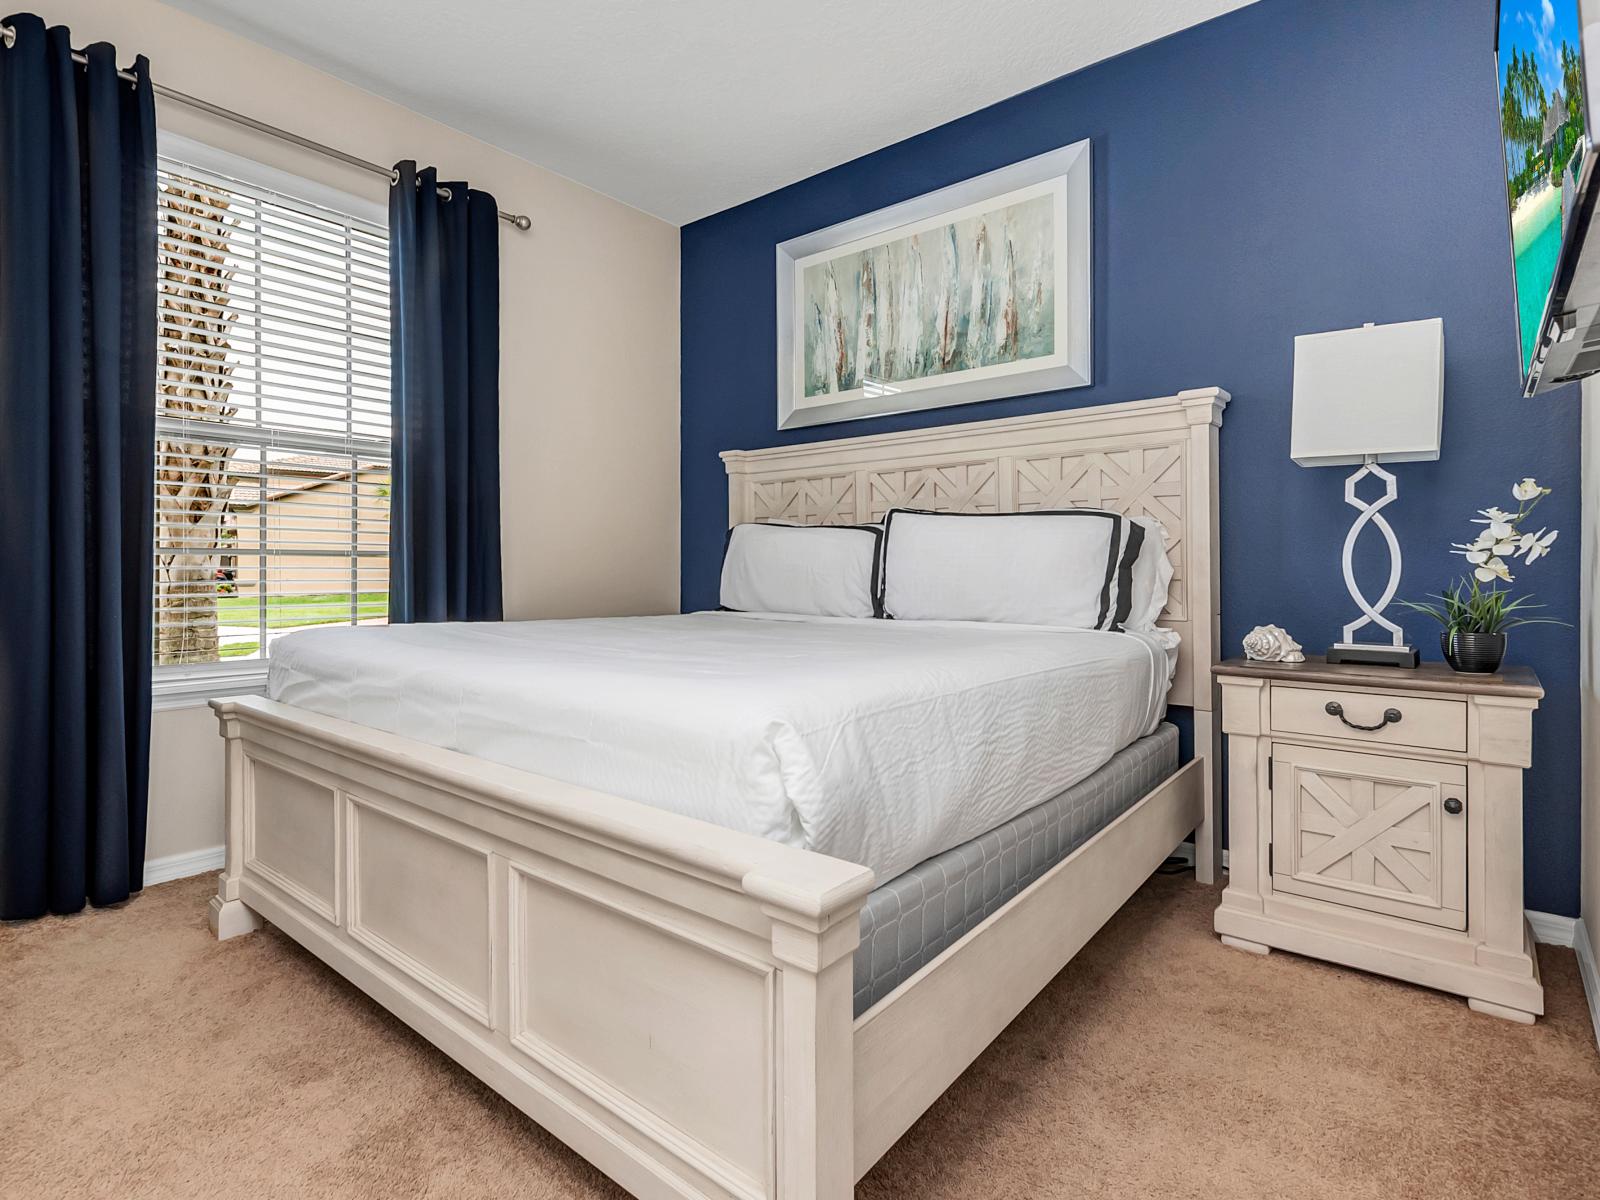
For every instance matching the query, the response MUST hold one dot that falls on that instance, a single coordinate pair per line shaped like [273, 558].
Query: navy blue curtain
[77, 437]
[444, 506]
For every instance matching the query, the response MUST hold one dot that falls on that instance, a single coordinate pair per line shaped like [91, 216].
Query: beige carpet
[138, 1057]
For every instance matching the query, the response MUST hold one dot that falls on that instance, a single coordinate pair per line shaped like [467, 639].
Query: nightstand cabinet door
[1388, 835]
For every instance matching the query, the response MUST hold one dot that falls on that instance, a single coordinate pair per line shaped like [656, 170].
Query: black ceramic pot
[1477, 652]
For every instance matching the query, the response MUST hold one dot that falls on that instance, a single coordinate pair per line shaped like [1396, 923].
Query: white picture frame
[1065, 176]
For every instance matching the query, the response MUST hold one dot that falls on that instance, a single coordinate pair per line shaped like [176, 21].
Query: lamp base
[1373, 655]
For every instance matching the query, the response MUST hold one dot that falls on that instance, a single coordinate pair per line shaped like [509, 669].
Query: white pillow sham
[1152, 576]
[816, 570]
[1071, 567]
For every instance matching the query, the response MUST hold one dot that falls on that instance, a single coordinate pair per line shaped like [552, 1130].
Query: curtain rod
[8, 36]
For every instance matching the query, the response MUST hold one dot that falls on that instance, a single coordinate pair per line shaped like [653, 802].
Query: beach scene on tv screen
[1541, 122]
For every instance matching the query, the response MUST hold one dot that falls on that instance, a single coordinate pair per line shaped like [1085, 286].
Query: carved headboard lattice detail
[1154, 458]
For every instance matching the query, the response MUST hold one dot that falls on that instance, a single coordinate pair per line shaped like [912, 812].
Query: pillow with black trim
[1069, 567]
[815, 570]
[1152, 575]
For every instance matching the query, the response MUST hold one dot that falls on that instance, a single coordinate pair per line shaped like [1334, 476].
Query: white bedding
[879, 742]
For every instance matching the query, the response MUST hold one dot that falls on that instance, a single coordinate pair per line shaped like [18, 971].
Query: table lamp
[1363, 397]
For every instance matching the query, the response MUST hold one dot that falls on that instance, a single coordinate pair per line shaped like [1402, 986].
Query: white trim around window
[192, 687]
[291, 187]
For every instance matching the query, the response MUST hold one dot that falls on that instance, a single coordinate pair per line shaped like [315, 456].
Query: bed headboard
[1154, 458]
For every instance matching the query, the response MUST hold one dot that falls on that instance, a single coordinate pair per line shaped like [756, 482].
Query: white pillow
[1152, 576]
[1069, 567]
[818, 570]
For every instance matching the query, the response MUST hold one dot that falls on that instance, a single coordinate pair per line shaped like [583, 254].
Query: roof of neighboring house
[299, 473]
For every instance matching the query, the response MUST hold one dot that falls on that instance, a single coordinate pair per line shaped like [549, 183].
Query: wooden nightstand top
[1429, 677]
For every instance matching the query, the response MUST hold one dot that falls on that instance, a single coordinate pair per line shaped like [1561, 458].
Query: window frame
[186, 685]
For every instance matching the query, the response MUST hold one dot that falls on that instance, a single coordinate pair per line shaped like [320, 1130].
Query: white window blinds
[272, 419]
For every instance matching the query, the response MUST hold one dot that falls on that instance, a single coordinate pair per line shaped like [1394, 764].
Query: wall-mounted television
[1547, 137]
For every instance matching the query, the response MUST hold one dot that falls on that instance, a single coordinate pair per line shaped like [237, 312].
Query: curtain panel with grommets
[444, 514]
[77, 431]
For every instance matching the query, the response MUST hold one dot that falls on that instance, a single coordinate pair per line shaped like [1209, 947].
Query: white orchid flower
[1499, 522]
[1495, 568]
[1499, 544]
[1536, 545]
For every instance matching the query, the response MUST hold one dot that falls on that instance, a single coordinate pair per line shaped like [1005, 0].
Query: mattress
[909, 921]
[878, 742]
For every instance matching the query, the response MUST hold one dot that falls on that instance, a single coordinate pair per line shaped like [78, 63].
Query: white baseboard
[1551, 929]
[181, 866]
[1589, 971]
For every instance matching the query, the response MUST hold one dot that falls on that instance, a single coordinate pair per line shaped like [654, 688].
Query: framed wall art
[976, 291]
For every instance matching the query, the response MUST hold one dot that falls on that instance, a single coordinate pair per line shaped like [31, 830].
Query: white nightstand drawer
[1426, 723]
[1388, 835]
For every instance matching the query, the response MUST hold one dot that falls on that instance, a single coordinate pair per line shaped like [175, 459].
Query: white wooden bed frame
[670, 998]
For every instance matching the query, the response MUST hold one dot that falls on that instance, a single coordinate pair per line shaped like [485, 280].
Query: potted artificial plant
[1476, 617]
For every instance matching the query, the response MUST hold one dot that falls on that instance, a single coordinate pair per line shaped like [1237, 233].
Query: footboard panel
[669, 998]
[421, 897]
[674, 1028]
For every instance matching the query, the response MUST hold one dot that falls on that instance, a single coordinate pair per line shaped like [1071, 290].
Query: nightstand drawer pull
[1452, 806]
[1391, 716]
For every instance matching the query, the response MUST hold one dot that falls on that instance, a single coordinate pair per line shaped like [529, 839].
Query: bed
[698, 987]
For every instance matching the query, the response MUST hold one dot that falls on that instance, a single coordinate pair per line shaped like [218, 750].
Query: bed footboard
[916, 1041]
[669, 998]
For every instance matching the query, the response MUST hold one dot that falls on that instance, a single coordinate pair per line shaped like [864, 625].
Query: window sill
[193, 687]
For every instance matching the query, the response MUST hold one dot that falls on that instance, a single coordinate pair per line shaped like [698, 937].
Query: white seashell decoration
[1272, 643]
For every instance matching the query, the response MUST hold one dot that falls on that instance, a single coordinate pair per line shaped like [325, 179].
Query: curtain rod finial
[522, 221]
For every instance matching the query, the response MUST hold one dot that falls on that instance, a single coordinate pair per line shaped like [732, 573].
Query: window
[272, 420]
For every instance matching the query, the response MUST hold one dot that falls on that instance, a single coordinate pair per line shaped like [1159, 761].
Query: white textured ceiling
[686, 107]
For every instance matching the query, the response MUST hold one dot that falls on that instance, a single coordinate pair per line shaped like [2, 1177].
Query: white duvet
[879, 742]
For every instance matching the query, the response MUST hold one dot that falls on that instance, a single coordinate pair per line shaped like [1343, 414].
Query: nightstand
[1375, 820]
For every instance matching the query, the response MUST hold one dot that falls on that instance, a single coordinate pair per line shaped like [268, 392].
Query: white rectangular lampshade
[1377, 392]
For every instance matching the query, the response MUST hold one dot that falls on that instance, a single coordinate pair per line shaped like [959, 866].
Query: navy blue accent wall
[1291, 167]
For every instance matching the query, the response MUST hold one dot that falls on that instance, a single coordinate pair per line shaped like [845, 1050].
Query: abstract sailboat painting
[973, 292]
[884, 315]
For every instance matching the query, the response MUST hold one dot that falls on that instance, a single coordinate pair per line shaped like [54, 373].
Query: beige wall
[1589, 669]
[185, 783]
[589, 348]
